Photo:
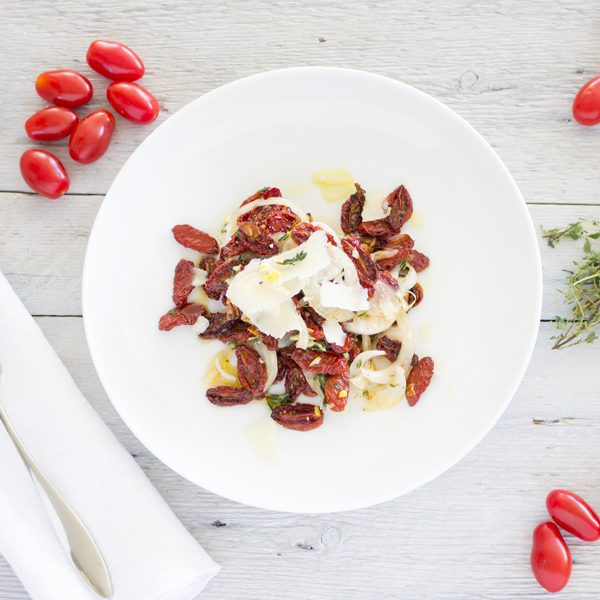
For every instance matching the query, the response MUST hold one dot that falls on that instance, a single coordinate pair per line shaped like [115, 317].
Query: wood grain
[511, 69]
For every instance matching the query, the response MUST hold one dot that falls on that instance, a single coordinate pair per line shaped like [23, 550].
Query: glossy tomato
[51, 124]
[133, 102]
[44, 173]
[586, 106]
[64, 88]
[550, 557]
[90, 139]
[573, 514]
[115, 61]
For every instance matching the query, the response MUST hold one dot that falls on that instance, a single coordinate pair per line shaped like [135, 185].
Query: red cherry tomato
[133, 102]
[586, 106]
[51, 124]
[90, 139]
[44, 173]
[573, 514]
[115, 61]
[64, 88]
[550, 557]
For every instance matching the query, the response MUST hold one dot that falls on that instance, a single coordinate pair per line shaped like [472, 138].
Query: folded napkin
[149, 554]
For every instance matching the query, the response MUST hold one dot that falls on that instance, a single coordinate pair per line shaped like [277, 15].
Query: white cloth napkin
[149, 554]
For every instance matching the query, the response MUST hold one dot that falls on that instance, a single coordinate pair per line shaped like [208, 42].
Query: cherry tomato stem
[64, 88]
[114, 61]
[574, 515]
[51, 124]
[44, 173]
[91, 138]
[133, 102]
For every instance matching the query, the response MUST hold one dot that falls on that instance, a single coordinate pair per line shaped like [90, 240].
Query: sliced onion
[224, 374]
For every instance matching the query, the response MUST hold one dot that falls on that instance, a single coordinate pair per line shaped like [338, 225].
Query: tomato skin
[51, 124]
[90, 139]
[586, 106]
[550, 557]
[44, 173]
[133, 102]
[115, 61]
[573, 514]
[64, 88]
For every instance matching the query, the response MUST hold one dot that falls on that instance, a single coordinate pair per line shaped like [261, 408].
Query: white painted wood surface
[511, 68]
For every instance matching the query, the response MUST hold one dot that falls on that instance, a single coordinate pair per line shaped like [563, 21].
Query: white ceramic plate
[478, 321]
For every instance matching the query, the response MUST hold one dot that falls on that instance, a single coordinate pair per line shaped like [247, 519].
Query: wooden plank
[465, 535]
[510, 69]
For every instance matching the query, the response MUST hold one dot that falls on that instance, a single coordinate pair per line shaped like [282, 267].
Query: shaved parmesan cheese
[200, 325]
[332, 177]
[374, 207]
[200, 277]
[335, 193]
[337, 295]
[263, 291]
[334, 333]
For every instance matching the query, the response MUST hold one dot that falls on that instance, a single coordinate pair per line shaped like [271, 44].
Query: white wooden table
[510, 68]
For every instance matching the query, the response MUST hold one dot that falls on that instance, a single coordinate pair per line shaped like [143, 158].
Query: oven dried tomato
[390, 347]
[185, 315]
[269, 341]
[352, 210]
[299, 417]
[336, 391]
[216, 285]
[401, 208]
[418, 380]
[265, 192]
[208, 264]
[227, 330]
[182, 282]
[417, 261]
[314, 361]
[295, 382]
[401, 246]
[226, 395]
[303, 231]
[314, 322]
[194, 239]
[273, 217]
[364, 263]
[251, 370]
[417, 291]
[256, 239]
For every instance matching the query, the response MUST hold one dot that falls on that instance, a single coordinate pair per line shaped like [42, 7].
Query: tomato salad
[324, 312]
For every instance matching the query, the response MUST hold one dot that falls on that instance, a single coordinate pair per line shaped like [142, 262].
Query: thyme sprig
[582, 291]
[290, 261]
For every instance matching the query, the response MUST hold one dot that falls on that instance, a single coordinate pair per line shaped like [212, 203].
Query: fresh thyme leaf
[359, 364]
[582, 291]
[275, 400]
[404, 265]
[322, 379]
[363, 314]
[285, 236]
[173, 312]
[223, 229]
[238, 235]
[290, 261]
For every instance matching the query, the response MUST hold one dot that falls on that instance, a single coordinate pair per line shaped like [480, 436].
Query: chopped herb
[223, 229]
[263, 190]
[337, 386]
[359, 364]
[173, 312]
[404, 265]
[238, 235]
[364, 314]
[582, 290]
[274, 400]
[393, 385]
[290, 261]
[285, 236]
[322, 379]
